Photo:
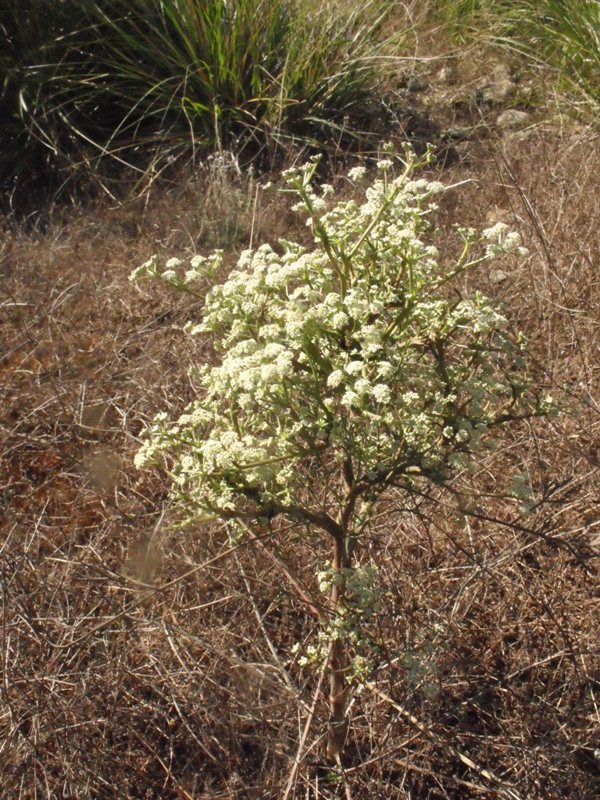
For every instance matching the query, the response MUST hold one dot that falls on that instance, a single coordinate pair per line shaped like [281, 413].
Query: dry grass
[141, 662]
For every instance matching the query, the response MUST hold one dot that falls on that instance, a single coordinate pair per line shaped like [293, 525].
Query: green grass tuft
[87, 80]
[564, 35]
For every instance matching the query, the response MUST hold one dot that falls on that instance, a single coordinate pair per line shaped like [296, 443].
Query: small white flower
[362, 386]
[381, 393]
[339, 320]
[410, 398]
[384, 369]
[496, 233]
[198, 261]
[436, 187]
[137, 273]
[335, 379]
[141, 459]
[357, 173]
[192, 275]
[147, 269]
[355, 367]
[349, 399]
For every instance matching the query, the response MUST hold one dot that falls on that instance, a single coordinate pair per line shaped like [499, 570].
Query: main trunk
[338, 661]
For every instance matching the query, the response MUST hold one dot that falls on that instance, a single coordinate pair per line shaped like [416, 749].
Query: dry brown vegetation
[138, 661]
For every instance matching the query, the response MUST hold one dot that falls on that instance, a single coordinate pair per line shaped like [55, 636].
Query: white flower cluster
[201, 267]
[503, 240]
[350, 349]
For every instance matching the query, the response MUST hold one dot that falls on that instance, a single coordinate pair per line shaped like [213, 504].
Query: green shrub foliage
[350, 352]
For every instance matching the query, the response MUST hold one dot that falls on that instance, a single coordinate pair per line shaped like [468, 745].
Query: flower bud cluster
[502, 240]
[360, 600]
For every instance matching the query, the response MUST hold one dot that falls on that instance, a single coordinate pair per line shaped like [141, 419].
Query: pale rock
[498, 276]
[513, 118]
[501, 88]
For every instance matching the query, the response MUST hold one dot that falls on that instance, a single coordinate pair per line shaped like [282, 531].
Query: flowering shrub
[343, 368]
